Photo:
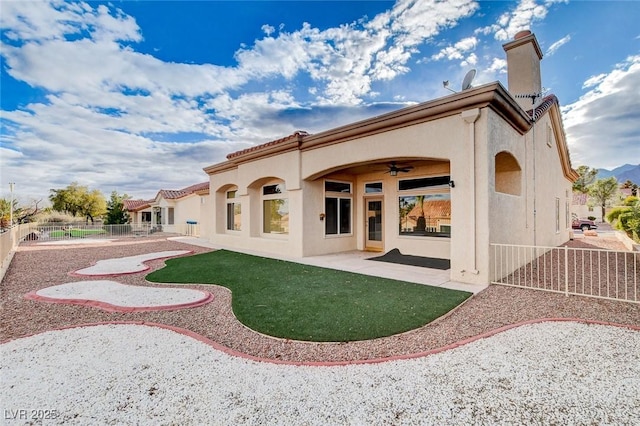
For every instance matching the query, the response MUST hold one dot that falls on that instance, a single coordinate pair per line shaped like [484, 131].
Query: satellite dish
[468, 79]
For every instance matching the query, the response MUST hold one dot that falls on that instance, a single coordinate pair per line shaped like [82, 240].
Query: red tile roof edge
[135, 205]
[297, 134]
[544, 106]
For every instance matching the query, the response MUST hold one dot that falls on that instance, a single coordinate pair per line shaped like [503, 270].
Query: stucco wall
[463, 146]
[187, 209]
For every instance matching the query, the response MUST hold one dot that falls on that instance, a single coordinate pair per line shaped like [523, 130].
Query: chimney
[523, 67]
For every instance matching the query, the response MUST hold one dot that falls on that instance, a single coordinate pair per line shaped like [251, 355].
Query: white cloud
[602, 126]
[594, 80]
[519, 19]
[555, 46]
[268, 29]
[458, 50]
[112, 116]
[33, 20]
[498, 66]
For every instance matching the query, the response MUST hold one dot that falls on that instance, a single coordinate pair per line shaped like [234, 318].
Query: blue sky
[137, 96]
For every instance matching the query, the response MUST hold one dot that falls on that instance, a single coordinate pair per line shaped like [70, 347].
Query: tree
[5, 211]
[603, 190]
[78, 200]
[94, 205]
[116, 214]
[587, 177]
[21, 214]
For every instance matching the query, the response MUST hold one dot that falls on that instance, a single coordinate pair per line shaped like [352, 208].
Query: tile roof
[135, 205]
[435, 208]
[172, 194]
[297, 134]
[167, 194]
[544, 106]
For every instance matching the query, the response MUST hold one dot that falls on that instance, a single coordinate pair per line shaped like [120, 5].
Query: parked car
[584, 224]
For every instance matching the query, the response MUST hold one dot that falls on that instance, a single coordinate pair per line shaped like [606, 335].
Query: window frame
[232, 202]
[438, 188]
[281, 194]
[339, 197]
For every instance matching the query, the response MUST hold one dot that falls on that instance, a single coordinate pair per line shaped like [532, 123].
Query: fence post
[566, 271]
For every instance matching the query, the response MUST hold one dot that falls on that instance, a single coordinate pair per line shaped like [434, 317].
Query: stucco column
[470, 117]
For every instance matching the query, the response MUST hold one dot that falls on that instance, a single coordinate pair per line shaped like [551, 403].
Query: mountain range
[622, 173]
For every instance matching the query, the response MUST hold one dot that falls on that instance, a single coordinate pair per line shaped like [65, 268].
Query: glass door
[373, 224]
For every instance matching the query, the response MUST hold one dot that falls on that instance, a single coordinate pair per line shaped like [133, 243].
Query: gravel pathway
[546, 373]
[126, 265]
[114, 296]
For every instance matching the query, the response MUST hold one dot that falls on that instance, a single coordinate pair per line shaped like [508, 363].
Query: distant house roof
[174, 194]
[435, 208]
[201, 188]
[136, 205]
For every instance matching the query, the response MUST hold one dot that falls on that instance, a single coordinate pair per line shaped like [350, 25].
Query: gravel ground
[35, 267]
[546, 373]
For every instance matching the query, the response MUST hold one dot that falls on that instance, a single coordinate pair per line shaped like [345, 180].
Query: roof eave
[492, 95]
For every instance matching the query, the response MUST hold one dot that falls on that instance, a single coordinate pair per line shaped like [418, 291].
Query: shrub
[627, 219]
[630, 200]
[614, 216]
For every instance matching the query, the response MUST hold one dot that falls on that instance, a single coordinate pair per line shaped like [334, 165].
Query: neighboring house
[170, 210]
[139, 211]
[583, 208]
[444, 179]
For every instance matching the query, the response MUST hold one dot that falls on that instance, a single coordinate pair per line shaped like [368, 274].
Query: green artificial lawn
[301, 302]
[79, 233]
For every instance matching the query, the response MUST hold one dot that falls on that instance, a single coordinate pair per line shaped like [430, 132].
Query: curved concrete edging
[232, 352]
[208, 297]
[128, 261]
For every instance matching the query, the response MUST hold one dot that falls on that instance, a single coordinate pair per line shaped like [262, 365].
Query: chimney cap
[522, 34]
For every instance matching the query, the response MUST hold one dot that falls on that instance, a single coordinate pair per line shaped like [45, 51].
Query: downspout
[470, 117]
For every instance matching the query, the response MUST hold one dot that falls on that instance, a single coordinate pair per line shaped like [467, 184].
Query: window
[567, 213]
[146, 217]
[337, 208]
[170, 213]
[424, 207]
[275, 209]
[373, 188]
[234, 211]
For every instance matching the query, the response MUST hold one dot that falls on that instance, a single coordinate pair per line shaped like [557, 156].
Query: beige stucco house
[170, 210]
[443, 179]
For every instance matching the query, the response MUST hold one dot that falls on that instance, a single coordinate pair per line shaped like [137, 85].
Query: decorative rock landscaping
[116, 297]
[126, 265]
[546, 373]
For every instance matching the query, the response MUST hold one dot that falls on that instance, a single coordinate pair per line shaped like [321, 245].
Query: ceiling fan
[394, 169]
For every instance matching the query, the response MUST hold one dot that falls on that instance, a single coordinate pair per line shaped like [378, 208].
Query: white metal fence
[11, 237]
[70, 232]
[604, 274]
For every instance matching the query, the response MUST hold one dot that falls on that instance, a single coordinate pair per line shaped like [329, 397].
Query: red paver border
[146, 267]
[208, 297]
[239, 354]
